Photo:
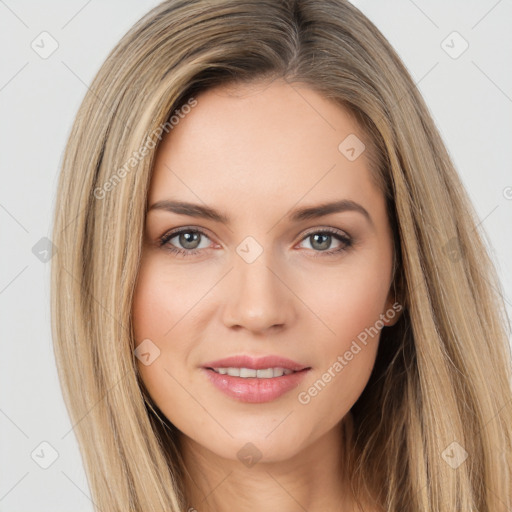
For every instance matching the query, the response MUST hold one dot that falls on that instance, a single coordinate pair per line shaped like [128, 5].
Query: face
[256, 270]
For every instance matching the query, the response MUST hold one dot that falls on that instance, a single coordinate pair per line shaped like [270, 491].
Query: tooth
[265, 374]
[247, 372]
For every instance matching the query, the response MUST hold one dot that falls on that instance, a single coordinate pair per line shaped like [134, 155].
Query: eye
[189, 239]
[321, 241]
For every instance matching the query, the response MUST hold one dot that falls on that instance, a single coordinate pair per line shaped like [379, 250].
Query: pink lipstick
[255, 379]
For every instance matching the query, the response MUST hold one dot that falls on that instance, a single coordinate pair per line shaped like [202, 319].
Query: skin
[256, 152]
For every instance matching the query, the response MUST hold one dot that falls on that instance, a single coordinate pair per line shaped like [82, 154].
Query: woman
[269, 290]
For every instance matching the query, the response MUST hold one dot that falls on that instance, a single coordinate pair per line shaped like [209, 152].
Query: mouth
[246, 373]
[255, 380]
[245, 366]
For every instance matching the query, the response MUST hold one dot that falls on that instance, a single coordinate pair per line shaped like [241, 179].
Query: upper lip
[256, 363]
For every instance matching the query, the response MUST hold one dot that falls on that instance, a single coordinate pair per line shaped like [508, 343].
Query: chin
[258, 448]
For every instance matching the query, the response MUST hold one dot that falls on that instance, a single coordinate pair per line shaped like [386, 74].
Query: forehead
[270, 143]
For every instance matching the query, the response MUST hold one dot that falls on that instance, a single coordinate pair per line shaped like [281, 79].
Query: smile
[245, 373]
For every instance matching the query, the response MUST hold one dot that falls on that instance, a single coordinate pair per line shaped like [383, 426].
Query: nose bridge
[257, 299]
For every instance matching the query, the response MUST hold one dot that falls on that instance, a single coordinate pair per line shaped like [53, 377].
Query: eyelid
[325, 229]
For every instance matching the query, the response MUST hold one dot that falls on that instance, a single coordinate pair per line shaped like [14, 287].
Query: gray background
[470, 98]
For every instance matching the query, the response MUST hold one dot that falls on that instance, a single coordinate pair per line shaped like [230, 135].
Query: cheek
[346, 299]
[165, 310]
[163, 298]
[349, 304]
[148, 310]
[156, 313]
[343, 371]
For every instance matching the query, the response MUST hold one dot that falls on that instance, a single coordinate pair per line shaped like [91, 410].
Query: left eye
[322, 239]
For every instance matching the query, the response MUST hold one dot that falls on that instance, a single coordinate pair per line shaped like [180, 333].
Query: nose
[258, 299]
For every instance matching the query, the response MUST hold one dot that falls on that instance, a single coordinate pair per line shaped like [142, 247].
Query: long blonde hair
[441, 385]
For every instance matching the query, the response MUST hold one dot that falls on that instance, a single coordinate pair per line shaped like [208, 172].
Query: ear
[392, 311]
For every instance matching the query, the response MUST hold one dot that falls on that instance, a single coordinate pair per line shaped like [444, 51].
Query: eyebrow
[297, 215]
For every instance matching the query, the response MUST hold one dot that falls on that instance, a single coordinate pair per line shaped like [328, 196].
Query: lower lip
[252, 389]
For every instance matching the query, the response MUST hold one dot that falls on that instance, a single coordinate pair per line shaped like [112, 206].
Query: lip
[252, 389]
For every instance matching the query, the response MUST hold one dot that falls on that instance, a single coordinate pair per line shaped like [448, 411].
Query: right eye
[188, 238]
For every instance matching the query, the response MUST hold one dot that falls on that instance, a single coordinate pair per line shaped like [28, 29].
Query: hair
[442, 372]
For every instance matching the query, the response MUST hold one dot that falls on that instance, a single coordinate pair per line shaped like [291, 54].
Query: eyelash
[184, 253]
